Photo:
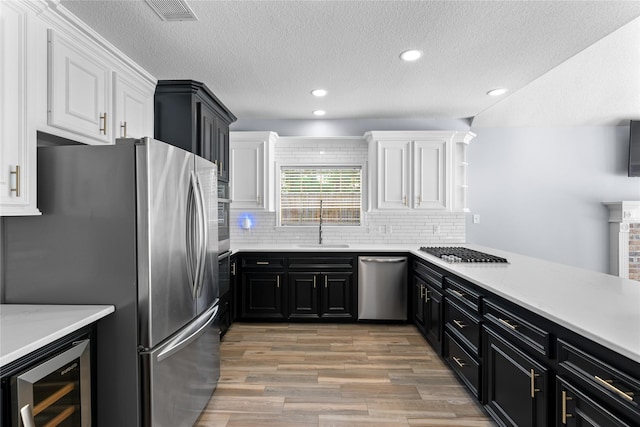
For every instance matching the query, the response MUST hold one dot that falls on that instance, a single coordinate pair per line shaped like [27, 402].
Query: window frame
[334, 164]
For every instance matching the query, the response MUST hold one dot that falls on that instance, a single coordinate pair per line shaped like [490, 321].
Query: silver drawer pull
[459, 362]
[627, 395]
[533, 376]
[460, 324]
[458, 293]
[507, 324]
[262, 262]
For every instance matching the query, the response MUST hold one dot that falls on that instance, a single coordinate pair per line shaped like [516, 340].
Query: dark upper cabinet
[188, 115]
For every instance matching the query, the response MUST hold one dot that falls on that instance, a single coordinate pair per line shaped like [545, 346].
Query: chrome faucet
[320, 226]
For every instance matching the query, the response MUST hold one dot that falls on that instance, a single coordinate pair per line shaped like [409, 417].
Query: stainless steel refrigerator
[134, 225]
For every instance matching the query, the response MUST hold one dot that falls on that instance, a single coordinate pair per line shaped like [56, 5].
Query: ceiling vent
[172, 10]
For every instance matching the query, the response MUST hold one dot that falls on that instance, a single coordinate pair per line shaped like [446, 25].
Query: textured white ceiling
[262, 58]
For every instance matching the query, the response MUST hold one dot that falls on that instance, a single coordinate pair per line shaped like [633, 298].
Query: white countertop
[25, 328]
[601, 307]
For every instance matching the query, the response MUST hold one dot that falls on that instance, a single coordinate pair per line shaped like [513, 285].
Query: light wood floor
[335, 375]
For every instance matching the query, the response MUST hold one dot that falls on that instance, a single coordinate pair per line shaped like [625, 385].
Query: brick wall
[634, 251]
[380, 227]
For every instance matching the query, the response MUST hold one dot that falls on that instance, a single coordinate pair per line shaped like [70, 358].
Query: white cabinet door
[252, 174]
[394, 174]
[133, 107]
[429, 175]
[79, 90]
[18, 144]
[247, 175]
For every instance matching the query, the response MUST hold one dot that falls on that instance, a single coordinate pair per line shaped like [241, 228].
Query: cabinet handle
[103, 119]
[17, 174]
[326, 282]
[460, 324]
[458, 293]
[258, 199]
[262, 262]
[459, 362]
[123, 128]
[404, 200]
[533, 376]
[233, 268]
[419, 199]
[627, 395]
[314, 282]
[565, 414]
[422, 292]
[506, 323]
[278, 281]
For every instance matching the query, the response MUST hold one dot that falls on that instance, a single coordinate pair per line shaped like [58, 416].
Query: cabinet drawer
[575, 408]
[251, 262]
[516, 327]
[321, 263]
[427, 273]
[462, 363]
[464, 324]
[463, 294]
[605, 381]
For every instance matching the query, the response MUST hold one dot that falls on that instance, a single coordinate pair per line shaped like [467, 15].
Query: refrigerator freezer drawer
[182, 373]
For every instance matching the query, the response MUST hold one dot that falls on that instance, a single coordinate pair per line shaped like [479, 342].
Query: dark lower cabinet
[304, 296]
[517, 386]
[463, 363]
[427, 308]
[336, 292]
[320, 295]
[576, 409]
[262, 295]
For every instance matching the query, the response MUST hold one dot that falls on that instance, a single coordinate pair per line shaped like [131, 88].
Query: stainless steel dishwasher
[382, 288]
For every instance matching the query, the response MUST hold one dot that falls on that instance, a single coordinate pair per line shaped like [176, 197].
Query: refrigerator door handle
[192, 332]
[202, 235]
[191, 244]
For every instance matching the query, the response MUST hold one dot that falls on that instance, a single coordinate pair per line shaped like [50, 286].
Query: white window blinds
[302, 189]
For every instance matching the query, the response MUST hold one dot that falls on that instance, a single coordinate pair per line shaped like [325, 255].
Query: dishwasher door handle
[383, 259]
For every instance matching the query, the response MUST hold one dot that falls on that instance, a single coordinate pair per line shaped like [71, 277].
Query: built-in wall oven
[56, 391]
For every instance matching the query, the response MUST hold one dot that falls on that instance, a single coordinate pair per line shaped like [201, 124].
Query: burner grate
[460, 254]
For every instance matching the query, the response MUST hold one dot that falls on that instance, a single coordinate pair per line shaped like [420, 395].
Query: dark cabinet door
[433, 317]
[336, 295]
[577, 409]
[517, 385]
[222, 150]
[303, 295]
[206, 132]
[262, 295]
[419, 289]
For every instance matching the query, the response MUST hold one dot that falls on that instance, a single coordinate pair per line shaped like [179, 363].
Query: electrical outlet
[476, 218]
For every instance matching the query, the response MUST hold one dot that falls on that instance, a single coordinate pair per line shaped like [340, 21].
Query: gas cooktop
[459, 254]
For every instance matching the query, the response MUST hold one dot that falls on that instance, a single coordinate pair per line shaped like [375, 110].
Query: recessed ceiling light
[410, 55]
[319, 113]
[319, 92]
[497, 92]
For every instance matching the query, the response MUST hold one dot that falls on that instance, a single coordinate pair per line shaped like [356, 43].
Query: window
[302, 189]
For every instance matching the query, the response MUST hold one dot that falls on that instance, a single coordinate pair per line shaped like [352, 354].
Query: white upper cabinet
[18, 144]
[430, 174]
[133, 107]
[418, 170]
[79, 90]
[252, 174]
[394, 166]
[60, 77]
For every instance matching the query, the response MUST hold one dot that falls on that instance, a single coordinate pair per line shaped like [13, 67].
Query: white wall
[539, 191]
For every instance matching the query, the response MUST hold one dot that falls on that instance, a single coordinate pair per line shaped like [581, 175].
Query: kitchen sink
[318, 245]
